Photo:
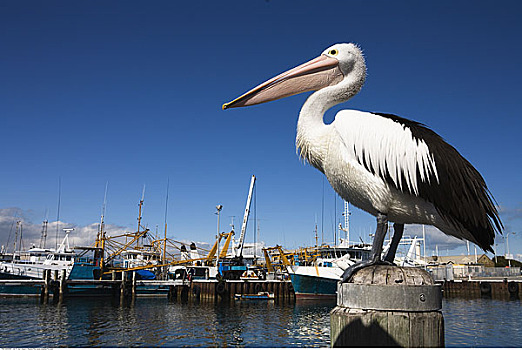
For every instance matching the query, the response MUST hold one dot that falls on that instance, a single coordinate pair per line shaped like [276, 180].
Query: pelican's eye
[333, 52]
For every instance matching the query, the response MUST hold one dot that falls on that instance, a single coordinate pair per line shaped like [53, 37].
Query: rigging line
[100, 238]
[105, 199]
[21, 240]
[166, 204]
[58, 211]
[166, 210]
[10, 232]
[322, 215]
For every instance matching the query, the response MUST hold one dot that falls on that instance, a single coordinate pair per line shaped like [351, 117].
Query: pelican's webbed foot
[375, 254]
[350, 271]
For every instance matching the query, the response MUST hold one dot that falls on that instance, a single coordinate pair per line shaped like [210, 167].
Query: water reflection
[482, 322]
[150, 322]
[312, 321]
[159, 323]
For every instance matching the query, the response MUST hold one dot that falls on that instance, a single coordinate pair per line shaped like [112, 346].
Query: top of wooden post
[384, 287]
[392, 275]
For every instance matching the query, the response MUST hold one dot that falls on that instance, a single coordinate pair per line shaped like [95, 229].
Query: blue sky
[130, 93]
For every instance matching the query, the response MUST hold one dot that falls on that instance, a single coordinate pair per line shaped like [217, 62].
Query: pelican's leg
[398, 229]
[375, 258]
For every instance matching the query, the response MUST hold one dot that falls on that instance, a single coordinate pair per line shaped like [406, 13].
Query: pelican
[393, 168]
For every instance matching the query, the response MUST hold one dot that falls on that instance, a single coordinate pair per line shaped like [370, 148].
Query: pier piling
[47, 285]
[388, 306]
[133, 283]
[62, 288]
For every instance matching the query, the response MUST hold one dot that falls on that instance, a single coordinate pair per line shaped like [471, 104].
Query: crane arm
[224, 251]
[239, 247]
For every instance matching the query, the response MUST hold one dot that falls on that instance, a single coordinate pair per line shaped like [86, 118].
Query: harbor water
[156, 322]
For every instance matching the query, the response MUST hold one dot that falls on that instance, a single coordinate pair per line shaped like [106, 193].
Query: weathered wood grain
[359, 327]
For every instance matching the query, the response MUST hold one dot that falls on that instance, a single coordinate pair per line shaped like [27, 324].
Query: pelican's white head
[340, 65]
[350, 58]
[353, 67]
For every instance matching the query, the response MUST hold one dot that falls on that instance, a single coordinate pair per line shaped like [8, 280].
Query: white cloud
[81, 236]
[434, 238]
[32, 232]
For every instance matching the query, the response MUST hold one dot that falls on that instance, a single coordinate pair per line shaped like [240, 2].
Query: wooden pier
[56, 287]
[225, 290]
[480, 288]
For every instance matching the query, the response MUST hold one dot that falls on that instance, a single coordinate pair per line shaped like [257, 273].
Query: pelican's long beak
[310, 76]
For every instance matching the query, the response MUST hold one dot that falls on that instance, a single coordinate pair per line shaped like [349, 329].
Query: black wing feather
[461, 196]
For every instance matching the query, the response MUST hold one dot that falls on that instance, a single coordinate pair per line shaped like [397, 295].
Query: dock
[129, 287]
[225, 290]
[503, 288]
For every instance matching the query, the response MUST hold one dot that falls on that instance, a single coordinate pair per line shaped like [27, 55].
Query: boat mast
[347, 220]
[58, 211]
[43, 238]
[163, 258]
[18, 229]
[100, 239]
[346, 228]
[44, 234]
[139, 215]
[135, 236]
[316, 237]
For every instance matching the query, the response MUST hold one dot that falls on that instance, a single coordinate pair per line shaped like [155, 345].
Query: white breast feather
[387, 146]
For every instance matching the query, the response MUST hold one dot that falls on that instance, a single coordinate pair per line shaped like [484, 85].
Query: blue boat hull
[81, 271]
[20, 291]
[14, 290]
[313, 287]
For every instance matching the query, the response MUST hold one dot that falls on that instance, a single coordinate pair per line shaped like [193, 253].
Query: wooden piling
[46, 287]
[62, 289]
[55, 288]
[122, 286]
[184, 293]
[133, 283]
[172, 294]
[388, 306]
[125, 287]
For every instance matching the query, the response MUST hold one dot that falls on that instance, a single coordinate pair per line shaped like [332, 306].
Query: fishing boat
[78, 263]
[316, 271]
[32, 263]
[317, 277]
